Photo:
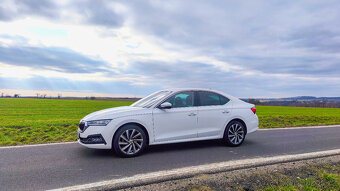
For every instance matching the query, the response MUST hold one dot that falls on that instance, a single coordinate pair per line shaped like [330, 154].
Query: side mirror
[165, 105]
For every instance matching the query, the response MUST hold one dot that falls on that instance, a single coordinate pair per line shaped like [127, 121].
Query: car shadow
[185, 146]
[95, 153]
[166, 148]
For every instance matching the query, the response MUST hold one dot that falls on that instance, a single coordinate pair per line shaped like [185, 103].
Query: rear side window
[223, 100]
[210, 98]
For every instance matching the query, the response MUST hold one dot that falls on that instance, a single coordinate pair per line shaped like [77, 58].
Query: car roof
[200, 89]
[189, 89]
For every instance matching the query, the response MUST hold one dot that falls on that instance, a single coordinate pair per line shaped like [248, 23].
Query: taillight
[253, 109]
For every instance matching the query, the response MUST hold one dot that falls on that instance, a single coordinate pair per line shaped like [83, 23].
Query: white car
[169, 116]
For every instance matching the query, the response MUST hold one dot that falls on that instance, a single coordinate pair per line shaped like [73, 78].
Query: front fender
[145, 120]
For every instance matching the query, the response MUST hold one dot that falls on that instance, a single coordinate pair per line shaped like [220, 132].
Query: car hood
[115, 112]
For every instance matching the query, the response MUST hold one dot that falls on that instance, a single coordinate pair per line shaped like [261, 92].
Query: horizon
[252, 49]
[55, 94]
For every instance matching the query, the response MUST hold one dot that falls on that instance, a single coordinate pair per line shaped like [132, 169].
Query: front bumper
[98, 137]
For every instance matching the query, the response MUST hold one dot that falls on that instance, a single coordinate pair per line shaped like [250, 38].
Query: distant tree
[254, 101]
[92, 97]
[16, 95]
[37, 95]
[59, 96]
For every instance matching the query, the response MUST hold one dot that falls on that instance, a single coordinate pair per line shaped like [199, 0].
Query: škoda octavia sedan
[169, 116]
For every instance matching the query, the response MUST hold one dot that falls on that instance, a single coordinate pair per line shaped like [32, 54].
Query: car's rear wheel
[235, 134]
[129, 141]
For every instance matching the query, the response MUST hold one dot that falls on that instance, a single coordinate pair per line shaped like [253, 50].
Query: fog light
[93, 139]
[98, 139]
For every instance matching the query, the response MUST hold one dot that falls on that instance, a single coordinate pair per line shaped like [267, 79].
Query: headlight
[102, 122]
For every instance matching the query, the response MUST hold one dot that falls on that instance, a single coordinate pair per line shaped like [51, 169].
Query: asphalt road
[56, 166]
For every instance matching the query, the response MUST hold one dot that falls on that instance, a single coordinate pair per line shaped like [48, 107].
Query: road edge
[299, 127]
[72, 142]
[186, 172]
[37, 145]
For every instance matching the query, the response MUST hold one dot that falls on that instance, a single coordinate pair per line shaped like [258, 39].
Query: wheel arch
[136, 124]
[239, 120]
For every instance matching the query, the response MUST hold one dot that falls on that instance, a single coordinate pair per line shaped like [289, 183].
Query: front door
[178, 122]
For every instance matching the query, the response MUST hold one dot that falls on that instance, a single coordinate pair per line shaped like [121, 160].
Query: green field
[280, 116]
[29, 121]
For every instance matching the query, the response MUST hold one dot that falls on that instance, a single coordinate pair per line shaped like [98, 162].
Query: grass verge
[309, 178]
[317, 174]
[317, 178]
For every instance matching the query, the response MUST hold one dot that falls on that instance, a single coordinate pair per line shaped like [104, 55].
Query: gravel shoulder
[318, 174]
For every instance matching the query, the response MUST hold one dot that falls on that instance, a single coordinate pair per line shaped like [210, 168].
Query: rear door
[214, 110]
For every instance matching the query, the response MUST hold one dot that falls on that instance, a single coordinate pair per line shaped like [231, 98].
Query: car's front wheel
[129, 141]
[235, 134]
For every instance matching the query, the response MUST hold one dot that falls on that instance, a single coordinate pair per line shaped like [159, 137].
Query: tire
[129, 141]
[234, 134]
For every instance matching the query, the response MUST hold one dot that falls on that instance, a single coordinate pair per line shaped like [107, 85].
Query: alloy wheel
[130, 141]
[236, 134]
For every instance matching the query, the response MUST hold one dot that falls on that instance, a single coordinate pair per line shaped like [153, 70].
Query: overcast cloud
[245, 48]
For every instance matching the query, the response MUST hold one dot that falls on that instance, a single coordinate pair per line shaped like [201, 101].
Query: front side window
[183, 99]
[210, 98]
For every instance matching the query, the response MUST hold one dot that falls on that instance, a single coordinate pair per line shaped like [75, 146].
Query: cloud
[235, 82]
[51, 58]
[15, 9]
[258, 48]
[65, 85]
[272, 37]
[99, 12]
[319, 38]
[312, 66]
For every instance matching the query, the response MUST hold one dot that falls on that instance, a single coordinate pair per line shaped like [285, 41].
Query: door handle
[192, 114]
[225, 111]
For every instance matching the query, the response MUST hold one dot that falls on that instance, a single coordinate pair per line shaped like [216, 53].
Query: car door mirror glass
[165, 105]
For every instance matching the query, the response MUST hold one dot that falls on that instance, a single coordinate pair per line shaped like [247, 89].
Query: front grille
[82, 126]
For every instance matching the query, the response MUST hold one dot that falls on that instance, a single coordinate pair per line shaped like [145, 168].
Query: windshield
[148, 101]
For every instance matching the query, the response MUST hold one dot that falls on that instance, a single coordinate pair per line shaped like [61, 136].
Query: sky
[133, 48]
